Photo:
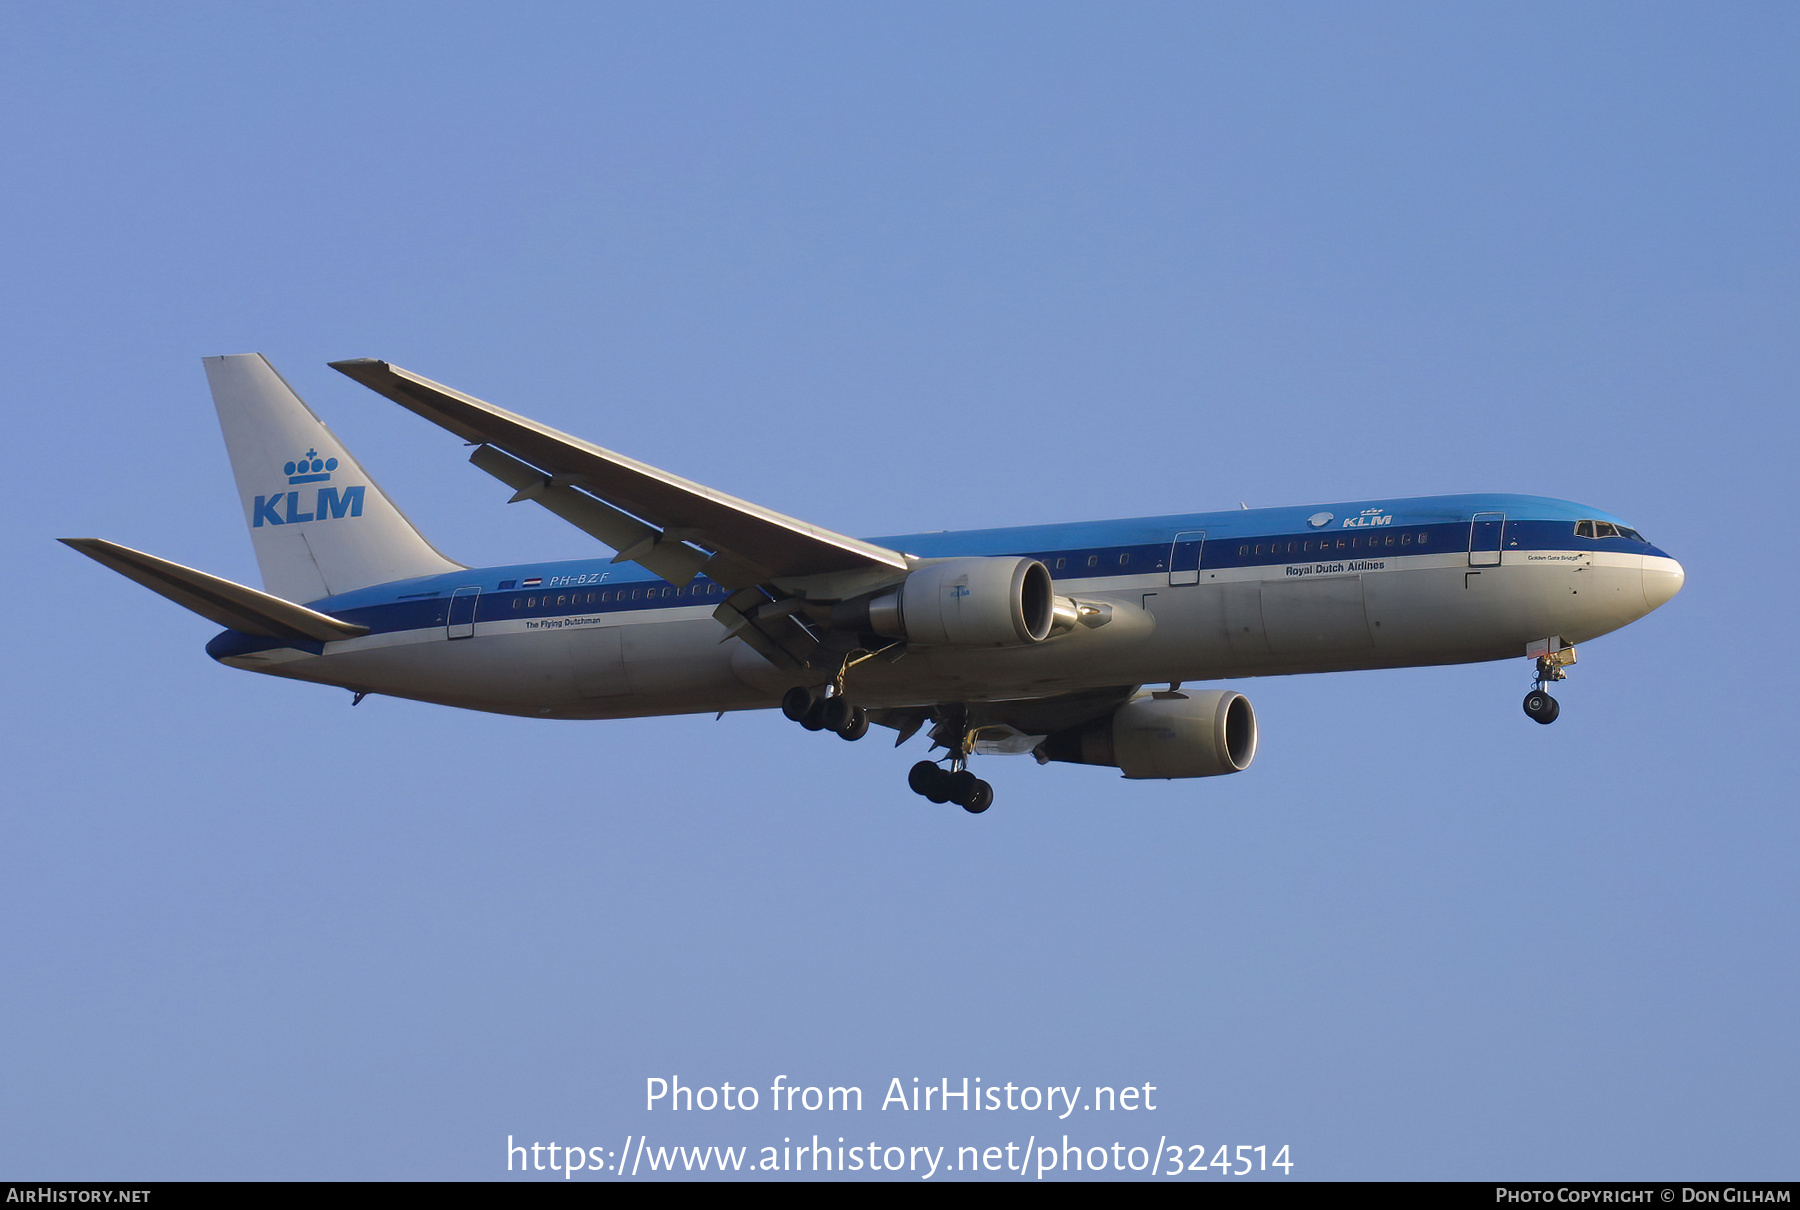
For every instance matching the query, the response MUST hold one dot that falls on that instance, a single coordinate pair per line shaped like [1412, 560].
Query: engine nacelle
[1202, 734]
[981, 602]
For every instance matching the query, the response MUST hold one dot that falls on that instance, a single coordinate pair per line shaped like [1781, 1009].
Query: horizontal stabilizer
[748, 543]
[230, 605]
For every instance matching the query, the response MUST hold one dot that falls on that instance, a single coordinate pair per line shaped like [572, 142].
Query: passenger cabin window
[1061, 563]
[1124, 559]
[1093, 560]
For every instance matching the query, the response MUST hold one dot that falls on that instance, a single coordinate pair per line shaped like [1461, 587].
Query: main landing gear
[832, 710]
[1538, 703]
[817, 712]
[955, 784]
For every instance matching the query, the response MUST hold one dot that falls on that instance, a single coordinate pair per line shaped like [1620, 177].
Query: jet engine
[1199, 734]
[980, 602]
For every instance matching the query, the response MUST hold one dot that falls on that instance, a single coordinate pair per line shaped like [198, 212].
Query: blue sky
[898, 269]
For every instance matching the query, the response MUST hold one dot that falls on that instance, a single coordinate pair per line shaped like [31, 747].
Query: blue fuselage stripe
[588, 587]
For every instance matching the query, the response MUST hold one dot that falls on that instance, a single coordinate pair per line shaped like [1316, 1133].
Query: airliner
[1077, 642]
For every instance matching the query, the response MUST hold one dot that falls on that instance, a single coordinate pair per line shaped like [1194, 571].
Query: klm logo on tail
[297, 471]
[327, 504]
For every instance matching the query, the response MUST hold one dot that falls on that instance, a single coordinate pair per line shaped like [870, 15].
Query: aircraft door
[1485, 533]
[461, 619]
[1184, 557]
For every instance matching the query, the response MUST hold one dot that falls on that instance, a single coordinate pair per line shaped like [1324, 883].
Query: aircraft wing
[229, 604]
[648, 515]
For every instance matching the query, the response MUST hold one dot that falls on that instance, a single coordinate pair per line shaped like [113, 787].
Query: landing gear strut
[1538, 703]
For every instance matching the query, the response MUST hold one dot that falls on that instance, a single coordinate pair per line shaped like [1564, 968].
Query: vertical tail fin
[319, 524]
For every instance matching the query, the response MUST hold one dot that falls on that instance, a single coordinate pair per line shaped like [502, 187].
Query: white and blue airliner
[1042, 639]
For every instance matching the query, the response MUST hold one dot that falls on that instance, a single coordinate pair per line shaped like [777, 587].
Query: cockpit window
[1606, 529]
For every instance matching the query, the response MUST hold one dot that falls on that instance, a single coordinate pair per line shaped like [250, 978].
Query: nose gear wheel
[1538, 704]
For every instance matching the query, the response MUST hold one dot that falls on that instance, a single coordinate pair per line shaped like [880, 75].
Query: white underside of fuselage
[1256, 621]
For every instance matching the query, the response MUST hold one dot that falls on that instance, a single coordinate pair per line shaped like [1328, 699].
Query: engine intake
[1202, 734]
[982, 602]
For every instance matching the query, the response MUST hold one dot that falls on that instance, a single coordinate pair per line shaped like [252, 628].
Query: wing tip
[350, 365]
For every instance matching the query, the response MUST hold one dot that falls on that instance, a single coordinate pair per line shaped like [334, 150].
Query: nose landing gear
[1539, 705]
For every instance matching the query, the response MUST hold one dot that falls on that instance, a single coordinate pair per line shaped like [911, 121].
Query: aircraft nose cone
[1662, 580]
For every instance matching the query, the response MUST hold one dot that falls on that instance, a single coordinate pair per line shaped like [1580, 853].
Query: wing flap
[743, 535]
[636, 542]
[229, 604]
[767, 626]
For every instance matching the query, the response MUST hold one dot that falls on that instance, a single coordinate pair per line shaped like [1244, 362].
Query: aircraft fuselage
[1196, 597]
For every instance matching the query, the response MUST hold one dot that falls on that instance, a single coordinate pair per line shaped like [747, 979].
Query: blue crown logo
[310, 468]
